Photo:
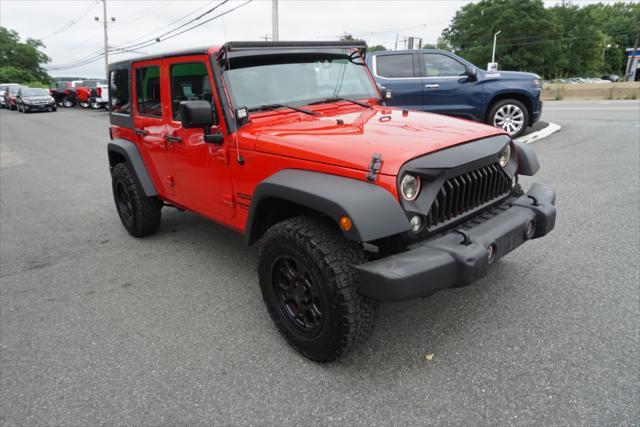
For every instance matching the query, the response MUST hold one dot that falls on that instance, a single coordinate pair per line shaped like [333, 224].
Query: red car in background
[87, 90]
[10, 96]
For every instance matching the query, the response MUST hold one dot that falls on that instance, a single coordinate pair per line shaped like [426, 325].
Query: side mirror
[196, 114]
[215, 138]
[471, 73]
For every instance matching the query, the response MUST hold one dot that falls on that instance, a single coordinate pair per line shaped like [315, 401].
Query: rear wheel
[68, 103]
[84, 104]
[139, 214]
[309, 285]
[510, 115]
[96, 105]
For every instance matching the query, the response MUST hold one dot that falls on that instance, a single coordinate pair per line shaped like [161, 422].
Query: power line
[97, 55]
[151, 42]
[157, 38]
[167, 25]
[70, 23]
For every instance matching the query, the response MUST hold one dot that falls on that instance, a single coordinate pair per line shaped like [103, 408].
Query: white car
[102, 100]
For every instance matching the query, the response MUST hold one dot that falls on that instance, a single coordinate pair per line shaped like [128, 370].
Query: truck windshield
[296, 79]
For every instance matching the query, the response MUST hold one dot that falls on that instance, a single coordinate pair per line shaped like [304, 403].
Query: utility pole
[495, 38]
[631, 60]
[106, 40]
[396, 47]
[274, 20]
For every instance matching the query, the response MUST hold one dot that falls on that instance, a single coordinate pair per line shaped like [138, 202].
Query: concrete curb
[541, 134]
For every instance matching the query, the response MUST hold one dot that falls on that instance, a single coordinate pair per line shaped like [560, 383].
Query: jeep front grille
[467, 192]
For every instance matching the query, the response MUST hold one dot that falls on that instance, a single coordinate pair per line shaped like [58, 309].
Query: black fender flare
[374, 212]
[528, 163]
[128, 150]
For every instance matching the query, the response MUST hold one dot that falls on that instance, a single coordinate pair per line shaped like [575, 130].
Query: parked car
[4, 88]
[88, 89]
[611, 77]
[440, 82]
[60, 91]
[29, 99]
[10, 96]
[290, 143]
[100, 97]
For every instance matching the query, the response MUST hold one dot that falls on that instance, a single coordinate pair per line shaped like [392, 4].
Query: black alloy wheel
[297, 296]
[123, 203]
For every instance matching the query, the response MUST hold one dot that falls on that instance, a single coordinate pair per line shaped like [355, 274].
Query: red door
[150, 123]
[201, 170]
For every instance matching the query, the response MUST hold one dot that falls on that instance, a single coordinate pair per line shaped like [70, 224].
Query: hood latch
[374, 167]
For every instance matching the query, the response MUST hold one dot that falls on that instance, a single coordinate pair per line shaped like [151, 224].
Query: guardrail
[585, 91]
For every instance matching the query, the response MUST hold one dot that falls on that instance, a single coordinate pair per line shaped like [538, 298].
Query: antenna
[239, 157]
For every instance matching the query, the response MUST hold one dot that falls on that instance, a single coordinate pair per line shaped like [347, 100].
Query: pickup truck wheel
[96, 105]
[510, 115]
[139, 214]
[68, 103]
[309, 286]
[84, 104]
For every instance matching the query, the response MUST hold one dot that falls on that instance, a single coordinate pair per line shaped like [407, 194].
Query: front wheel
[68, 103]
[139, 214]
[84, 104]
[309, 286]
[96, 105]
[510, 115]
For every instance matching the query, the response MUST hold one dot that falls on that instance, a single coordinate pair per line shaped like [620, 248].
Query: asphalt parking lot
[97, 327]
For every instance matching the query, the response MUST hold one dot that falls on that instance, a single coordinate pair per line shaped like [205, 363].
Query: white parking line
[541, 134]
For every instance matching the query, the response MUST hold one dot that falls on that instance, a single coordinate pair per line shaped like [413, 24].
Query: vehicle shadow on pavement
[405, 332]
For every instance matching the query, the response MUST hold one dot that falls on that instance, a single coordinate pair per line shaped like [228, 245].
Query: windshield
[296, 79]
[35, 92]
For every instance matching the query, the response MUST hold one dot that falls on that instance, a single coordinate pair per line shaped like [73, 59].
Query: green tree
[22, 61]
[620, 23]
[528, 41]
[376, 48]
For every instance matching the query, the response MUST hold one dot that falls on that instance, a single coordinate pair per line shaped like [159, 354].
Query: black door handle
[173, 138]
[141, 132]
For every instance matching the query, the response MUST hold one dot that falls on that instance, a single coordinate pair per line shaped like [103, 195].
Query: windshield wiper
[276, 106]
[338, 98]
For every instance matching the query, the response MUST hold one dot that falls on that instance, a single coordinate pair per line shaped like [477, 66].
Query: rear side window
[437, 65]
[395, 66]
[189, 82]
[148, 91]
[119, 91]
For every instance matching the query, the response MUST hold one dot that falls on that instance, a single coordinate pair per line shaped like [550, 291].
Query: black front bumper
[458, 259]
[39, 107]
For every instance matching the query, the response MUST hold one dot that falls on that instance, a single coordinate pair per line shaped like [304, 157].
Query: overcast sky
[70, 32]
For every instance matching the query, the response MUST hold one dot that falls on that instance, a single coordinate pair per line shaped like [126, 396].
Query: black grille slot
[466, 192]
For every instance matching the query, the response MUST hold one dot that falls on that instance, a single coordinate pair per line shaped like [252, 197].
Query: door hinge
[227, 199]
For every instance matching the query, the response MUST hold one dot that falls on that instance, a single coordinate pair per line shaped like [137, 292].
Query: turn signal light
[345, 223]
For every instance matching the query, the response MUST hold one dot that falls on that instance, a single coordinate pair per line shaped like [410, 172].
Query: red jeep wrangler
[290, 143]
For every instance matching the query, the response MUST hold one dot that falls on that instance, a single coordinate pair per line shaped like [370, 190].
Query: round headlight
[504, 156]
[410, 187]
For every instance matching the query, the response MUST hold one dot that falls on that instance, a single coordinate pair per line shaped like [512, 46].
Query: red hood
[397, 137]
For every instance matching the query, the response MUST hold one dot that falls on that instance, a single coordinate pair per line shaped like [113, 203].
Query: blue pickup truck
[441, 82]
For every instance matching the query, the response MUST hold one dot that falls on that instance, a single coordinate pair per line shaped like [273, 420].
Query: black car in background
[30, 99]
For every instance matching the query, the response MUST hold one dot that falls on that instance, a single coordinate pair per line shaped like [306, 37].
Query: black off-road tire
[139, 214]
[318, 246]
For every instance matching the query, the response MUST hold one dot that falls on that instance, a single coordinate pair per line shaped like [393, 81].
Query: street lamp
[492, 67]
[495, 38]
